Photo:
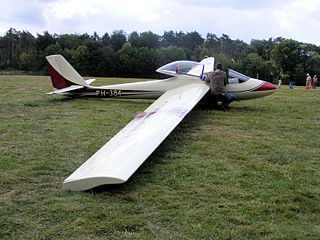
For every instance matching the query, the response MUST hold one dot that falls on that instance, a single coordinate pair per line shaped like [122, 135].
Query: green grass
[249, 173]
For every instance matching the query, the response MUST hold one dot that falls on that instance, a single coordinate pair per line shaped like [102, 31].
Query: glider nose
[266, 86]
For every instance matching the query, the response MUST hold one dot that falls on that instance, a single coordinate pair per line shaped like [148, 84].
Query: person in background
[280, 82]
[308, 81]
[217, 81]
[291, 82]
[314, 84]
[271, 77]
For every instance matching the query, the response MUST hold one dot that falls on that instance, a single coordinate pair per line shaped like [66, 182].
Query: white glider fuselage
[182, 72]
[252, 88]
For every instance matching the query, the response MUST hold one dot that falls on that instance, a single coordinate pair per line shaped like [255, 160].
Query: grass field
[249, 173]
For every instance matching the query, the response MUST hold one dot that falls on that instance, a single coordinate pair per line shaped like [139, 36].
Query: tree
[145, 61]
[226, 44]
[145, 39]
[206, 52]
[53, 49]
[313, 63]
[118, 38]
[180, 37]
[44, 41]
[168, 39]
[27, 41]
[125, 58]
[69, 41]
[263, 47]
[258, 47]
[134, 39]
[254, 66]
[95, 36]
[106, 39]
[170, 54]
[287, 55]
[193, 42]
[149, 39]
[310, 64]
[80, 59]
[137, 62]
[11, 44]
[213, 42]
[239, 49]
[94, 57]
[110, 63]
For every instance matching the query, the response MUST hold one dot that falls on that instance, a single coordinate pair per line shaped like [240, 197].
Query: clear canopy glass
[236, 77]
[191, 68]
[182, 67]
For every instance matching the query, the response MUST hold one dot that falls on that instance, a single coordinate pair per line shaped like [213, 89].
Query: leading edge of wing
[119, 158]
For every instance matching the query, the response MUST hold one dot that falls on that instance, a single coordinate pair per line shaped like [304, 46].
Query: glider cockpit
[235, 77]
[195, 69]
[186, 68]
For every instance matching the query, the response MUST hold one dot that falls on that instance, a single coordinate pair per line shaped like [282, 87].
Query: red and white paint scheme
[119, 158]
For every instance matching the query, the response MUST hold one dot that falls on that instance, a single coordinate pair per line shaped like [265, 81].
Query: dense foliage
[140, 54]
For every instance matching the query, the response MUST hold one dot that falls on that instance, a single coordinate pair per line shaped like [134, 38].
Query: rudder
[62, 73]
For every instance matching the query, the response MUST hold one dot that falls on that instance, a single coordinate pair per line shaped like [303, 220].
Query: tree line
[139, 54]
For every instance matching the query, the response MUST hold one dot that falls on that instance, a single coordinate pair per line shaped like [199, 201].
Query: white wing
[119, 158]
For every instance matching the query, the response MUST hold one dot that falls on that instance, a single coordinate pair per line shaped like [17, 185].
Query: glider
[119, 158]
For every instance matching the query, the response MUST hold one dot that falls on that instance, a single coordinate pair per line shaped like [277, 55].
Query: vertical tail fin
[62, 73]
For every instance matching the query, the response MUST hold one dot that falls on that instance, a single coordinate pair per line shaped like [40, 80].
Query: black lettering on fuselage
[108, 93]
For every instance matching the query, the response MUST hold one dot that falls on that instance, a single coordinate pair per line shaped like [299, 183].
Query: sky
[240, 19]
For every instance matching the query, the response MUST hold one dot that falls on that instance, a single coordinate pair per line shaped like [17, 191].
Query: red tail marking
[58, 81]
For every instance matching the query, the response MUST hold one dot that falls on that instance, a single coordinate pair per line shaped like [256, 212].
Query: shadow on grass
[203, 105]
[207, 106]
[112, 188]
[61, 99]
[119, 100]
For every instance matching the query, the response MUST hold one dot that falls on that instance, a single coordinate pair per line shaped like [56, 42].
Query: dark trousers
[225, 99]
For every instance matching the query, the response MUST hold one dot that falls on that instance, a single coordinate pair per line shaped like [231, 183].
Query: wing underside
[119, 158]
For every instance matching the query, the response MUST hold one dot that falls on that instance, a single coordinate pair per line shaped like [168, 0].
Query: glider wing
[119, 158]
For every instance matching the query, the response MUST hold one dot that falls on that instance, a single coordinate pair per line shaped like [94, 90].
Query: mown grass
[249, 173]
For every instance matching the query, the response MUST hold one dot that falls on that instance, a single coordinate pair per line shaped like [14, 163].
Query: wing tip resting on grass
[83, 184]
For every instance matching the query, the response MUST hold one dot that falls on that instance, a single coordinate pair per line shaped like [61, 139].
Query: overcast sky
[240, 19]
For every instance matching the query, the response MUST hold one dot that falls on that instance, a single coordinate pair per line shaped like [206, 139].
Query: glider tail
[62, 74]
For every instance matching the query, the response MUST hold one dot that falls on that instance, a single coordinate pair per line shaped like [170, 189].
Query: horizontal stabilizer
[90, 81]
[65, 90]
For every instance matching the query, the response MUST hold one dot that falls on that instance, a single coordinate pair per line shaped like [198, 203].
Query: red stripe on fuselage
[266, 86]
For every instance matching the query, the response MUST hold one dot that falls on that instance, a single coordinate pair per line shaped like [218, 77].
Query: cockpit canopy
[188, 68]
[195, 69]
[236, 77]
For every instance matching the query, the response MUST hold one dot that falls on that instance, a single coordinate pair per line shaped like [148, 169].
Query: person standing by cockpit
[217, 81]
